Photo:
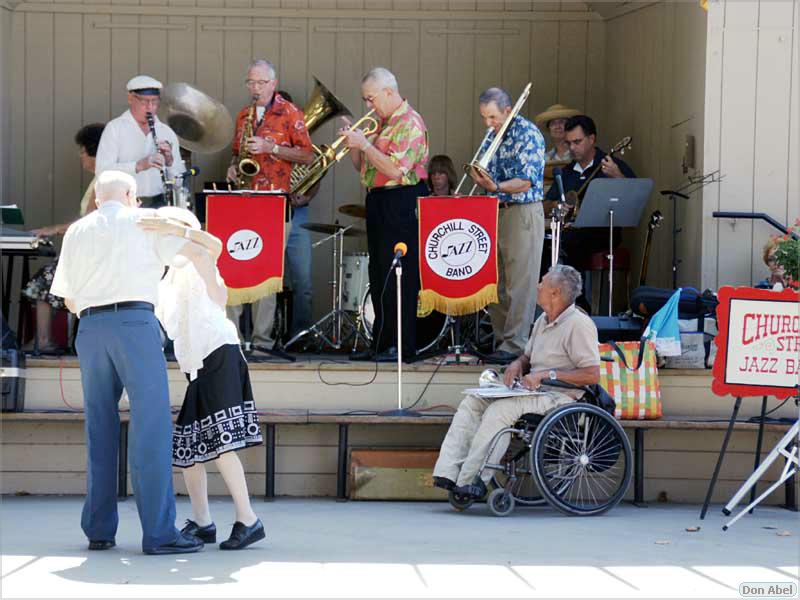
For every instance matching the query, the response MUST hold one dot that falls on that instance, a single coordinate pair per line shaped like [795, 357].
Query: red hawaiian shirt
[283, 125]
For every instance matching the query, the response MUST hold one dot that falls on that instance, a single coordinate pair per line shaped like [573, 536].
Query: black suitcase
[646, 301]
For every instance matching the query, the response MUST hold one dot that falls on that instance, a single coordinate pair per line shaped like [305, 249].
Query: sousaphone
[201, 123]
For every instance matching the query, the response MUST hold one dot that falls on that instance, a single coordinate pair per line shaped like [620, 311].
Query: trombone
[304, 177]
[481, 165]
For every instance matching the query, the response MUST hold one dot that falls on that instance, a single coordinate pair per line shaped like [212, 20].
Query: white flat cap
[144, 82]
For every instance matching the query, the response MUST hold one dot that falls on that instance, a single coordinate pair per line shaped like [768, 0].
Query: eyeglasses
[371, 98]
[257, 82]
[574, 142]
[152, 100]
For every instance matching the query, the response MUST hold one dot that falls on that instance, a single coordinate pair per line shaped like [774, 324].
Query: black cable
[347, 362]
[425, 389]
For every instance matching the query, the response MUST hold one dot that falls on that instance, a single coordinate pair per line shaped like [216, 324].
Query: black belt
[510, 204]
[134, 305]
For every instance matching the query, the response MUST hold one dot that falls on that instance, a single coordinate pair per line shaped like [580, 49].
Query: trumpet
[481, 165]
[304, 177]
[247, 166]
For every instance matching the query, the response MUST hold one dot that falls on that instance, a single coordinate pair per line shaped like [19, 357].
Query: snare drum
[355, 279]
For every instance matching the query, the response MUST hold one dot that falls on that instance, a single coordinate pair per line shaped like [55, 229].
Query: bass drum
[431, 330]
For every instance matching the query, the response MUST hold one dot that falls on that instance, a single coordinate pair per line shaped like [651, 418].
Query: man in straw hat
[554, 119]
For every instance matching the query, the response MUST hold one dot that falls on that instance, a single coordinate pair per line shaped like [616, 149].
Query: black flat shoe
[444, 483]
[500, 357]
[183, 545]
[476, 491]
[242, 535]
[101, 544]
[388, 355]
[365, 355]
[208, 533]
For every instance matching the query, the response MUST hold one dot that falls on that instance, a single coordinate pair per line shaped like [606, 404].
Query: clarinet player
[128, 144]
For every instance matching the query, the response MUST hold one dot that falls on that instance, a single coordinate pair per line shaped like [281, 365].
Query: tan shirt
[569, 342]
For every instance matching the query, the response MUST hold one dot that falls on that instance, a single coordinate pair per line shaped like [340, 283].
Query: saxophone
[247, 166]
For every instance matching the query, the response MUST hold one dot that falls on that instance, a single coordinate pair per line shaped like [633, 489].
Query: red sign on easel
[758, 345]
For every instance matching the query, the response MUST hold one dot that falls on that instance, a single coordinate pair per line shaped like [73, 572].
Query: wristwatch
[275, 149]
[552, 375]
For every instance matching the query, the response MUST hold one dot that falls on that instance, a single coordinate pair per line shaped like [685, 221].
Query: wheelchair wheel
[500, 502]
[459, 501]
[524, 489]
[582, 460]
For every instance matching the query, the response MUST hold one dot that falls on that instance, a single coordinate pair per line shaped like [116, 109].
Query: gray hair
[113, 185]
[260, 62]
[568, 280]
[383, 77]
[496, 95]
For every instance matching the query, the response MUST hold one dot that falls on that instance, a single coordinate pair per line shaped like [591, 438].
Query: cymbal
[359, 211]
[331, 228]
[201, 123]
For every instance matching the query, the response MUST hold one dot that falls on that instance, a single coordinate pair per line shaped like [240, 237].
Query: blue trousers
[116, 350]
[298, 259]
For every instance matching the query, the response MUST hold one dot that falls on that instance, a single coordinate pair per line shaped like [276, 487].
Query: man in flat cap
[127, 144]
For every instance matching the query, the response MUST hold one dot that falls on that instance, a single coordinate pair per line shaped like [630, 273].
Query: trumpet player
[278, 132]
[278, 138]
[127, 144]
[517, 180]
[393, 169]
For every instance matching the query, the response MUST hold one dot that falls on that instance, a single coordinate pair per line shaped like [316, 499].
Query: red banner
[758, 344]
[251, 227]
[458, 253]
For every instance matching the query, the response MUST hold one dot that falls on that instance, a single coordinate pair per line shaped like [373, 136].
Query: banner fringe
[237, 296]
[456, 307]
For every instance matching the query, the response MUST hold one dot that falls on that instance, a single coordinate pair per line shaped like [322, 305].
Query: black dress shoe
[475, 490]
[183, 545]
[500, 357]
[208, 533]
[444, 483]
[101, 544]
[388, 355]
[365, 355]
[242, 535]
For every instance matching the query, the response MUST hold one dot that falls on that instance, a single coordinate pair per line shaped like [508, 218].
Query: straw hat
[557, 111]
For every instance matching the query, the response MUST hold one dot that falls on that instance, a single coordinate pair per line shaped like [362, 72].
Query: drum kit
[348, 325]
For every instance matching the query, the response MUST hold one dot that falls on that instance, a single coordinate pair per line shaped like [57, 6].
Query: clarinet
[167, 185]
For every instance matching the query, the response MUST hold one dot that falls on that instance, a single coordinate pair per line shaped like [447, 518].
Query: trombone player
[278, 139]
[516, 178]
[393, 169]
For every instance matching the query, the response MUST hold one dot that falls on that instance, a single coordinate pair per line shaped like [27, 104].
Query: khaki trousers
[520, 237]
[263, 311]
[476, 422]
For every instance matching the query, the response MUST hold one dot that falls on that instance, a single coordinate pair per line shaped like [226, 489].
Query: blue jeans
[298, 260]
[116, 350]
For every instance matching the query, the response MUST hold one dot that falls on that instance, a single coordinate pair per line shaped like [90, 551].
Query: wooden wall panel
[6, 17]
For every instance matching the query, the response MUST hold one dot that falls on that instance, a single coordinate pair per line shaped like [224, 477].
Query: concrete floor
[322, 548]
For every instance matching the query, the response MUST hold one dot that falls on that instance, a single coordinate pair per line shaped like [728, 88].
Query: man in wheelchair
[563, 346]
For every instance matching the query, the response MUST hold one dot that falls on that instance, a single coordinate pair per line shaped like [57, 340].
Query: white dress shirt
[106, 258]
[123, 143]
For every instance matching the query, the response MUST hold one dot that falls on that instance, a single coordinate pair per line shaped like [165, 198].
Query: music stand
[613, 202]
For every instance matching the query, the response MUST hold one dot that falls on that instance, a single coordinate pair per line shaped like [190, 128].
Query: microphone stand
[400, 411]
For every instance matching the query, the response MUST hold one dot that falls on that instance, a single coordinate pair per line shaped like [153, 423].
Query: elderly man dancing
[108, 274]
[563, 346]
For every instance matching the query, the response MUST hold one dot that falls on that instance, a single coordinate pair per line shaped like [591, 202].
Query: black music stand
[613, 202]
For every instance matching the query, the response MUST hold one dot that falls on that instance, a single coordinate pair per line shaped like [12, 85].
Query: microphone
[400, 249]
[557, 172]
[192, 172]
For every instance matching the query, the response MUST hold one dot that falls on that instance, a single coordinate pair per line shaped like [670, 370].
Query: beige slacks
[263, 311]
[475, 424]
[520, 238]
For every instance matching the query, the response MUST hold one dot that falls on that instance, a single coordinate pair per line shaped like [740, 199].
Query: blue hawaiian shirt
[520, 155]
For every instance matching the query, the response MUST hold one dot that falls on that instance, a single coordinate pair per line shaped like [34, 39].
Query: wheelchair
[575, 458]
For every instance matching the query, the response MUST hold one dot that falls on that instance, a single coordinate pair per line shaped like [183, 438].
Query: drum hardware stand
[400, 411]
[332, 322]
[692, 185]
[276, 351]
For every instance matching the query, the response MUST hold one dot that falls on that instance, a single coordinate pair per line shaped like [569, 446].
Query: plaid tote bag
[629, 374]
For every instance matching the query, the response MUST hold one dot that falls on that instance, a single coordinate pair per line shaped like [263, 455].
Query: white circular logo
[245, 244]
[457, 249]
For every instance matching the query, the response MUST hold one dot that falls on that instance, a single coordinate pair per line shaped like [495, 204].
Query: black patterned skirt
[218, 413]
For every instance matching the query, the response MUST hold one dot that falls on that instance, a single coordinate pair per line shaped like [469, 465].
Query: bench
[344, 421]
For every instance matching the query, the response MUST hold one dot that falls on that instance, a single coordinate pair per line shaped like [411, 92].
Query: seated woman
[441, 176]
[38, 288]
[218, 415]
[563, 345]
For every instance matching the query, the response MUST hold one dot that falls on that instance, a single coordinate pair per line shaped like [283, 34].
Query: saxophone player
[277, 138]
[127, 144]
